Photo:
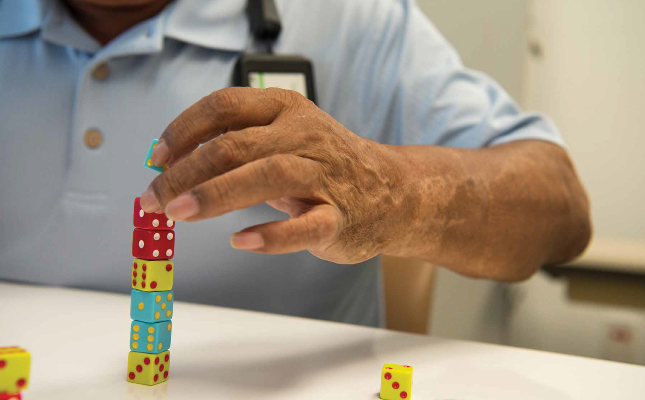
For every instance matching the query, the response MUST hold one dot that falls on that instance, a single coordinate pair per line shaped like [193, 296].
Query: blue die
[150, 338]
[148, 163]
[151, 306]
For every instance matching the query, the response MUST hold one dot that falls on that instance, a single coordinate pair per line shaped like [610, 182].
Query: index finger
[221, 111]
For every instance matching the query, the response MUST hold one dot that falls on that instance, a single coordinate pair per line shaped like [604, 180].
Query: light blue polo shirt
[381, 69]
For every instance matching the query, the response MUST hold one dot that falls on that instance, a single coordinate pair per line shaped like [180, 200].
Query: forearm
[499, 212]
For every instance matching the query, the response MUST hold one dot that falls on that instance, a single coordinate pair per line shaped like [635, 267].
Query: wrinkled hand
[275, 146]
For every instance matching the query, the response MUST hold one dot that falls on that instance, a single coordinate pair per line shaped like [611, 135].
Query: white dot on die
[155, 253]
[155, 223]
[141, 213]
[141, 244]
[156, 236]
[168, 253]
[170, 236]
[169, 223]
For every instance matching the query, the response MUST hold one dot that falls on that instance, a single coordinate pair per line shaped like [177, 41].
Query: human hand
[343, 192]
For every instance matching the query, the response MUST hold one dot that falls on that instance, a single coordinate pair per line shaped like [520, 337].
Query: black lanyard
[293, 72]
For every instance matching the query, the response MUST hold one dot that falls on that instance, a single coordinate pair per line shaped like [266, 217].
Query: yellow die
[148, 369]
[153, 276]
[14, 369]
[396, 382]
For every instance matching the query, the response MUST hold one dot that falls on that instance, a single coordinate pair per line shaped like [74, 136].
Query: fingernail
[160, 154]
[183, 207]
[247, 240]
[149, 201]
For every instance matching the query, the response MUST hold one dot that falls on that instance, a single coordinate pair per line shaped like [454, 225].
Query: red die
[153, 245]
[146, 220]
[12, 396]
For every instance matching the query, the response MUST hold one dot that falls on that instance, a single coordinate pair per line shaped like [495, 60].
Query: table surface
[79, 345]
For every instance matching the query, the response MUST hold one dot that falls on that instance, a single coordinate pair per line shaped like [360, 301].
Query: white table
[79, 345]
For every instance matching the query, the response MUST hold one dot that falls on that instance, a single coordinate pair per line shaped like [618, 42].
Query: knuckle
[178, 128]
[213, 196]
[224, 104]
[322, 228]
[227, 153]
[166, 186]
[278, 168]
[282, 99]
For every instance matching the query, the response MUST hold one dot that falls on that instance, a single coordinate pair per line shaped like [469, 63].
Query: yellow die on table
[153, 276]
[396, 382]
[14, 369]
[148, 369]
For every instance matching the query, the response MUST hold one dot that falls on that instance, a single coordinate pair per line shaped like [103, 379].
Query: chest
[81, 114]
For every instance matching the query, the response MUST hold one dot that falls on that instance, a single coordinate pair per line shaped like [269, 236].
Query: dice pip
[155, 221]
[153, 245]
[151, 306]
[150, 276]
[14, 369]
[148, 369]
[150, 338]
[396, 382]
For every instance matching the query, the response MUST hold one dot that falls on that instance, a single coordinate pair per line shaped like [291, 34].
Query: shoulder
[342, 17]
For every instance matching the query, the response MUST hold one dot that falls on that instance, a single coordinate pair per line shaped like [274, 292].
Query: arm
[498, 212]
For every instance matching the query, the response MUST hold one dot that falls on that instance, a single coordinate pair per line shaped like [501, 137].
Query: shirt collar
[20, 17]
[215, 24]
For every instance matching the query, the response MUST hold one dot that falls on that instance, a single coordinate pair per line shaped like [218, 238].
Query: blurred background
[583, 64]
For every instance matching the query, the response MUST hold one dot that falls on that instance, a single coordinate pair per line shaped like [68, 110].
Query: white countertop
[79, 346]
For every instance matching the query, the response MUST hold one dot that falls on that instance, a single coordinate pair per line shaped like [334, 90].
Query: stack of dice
[151, 307]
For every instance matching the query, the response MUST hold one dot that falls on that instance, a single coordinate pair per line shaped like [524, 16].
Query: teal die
[151, 306]
[148, 163]
[150, 338]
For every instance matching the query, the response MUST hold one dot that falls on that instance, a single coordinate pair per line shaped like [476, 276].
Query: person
[408, 153]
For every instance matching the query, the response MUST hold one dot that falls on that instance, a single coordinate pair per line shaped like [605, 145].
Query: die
[149, 276]
[148, 163]
[396, 382]
[150, 338]
[148, 369]
[144, 220]
[153, 245]
[151, 306]
[10, 396]
[14, 369]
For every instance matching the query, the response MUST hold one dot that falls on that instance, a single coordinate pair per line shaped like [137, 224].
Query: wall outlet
[619, 344]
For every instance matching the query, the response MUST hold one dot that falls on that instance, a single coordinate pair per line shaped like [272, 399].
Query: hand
[275, 146]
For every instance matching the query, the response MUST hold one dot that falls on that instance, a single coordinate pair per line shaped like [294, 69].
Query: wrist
[404, 222]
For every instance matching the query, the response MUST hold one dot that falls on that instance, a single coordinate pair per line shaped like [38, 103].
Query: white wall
[543, 317]
[590, 77]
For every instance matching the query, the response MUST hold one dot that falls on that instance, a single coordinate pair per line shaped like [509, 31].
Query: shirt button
[101, 72]
[93, 138]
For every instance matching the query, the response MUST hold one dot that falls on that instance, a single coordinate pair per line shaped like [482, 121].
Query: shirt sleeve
[408, 72]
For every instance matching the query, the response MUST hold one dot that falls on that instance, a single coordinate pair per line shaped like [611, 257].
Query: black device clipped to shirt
[291, 72]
